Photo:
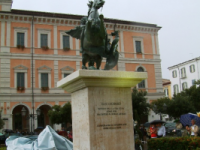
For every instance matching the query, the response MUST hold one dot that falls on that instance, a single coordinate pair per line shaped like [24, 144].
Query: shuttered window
[193, 82]
[66, 74]
[44, 39]
[20, 39]
[141, 84]
[174, 74]
[66, 41]
[183, 73]
[184, 85]
[44, 80]
[166, 92]
[20, 79]
[138, 47]
[175, 87]
[192, 68]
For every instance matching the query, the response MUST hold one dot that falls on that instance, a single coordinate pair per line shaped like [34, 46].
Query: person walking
[161, 130]
[153, 131]
[194, 128]
[187, 131]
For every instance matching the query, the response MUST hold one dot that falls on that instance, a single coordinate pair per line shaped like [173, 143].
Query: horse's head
[98, 3]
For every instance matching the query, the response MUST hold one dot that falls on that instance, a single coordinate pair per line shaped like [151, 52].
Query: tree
[60, 114]
[139, 103]
[66, 112]
[140, 107]
[1, 123]
[178, 106]
[192, 94]
[55, 115]
[159, 103]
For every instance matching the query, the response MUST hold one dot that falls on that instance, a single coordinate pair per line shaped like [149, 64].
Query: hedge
[174, 143]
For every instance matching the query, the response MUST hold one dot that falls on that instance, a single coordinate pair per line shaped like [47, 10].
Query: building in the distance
[184, 75]
[35, 53]
[167, 88]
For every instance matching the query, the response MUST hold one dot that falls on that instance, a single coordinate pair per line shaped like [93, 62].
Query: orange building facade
[33, 46]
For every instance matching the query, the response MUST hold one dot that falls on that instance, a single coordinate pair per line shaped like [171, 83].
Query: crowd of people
[158, 130]
[62, 132]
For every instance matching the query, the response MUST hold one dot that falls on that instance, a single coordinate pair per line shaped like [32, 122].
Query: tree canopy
[139, 103]
[187, 101]
[60, 114]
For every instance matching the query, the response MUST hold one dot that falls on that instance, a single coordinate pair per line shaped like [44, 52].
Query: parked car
[171, 130]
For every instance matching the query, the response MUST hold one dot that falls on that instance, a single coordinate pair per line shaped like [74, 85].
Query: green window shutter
[190, 68]
[41, 40]
[194, 68]
[138, 46]
[20, 39]
[44, 38]
[66, 41]
[20, 79]
[44, 80]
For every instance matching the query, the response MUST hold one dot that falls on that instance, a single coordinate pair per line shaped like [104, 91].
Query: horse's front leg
[85, 59]
[98, 61]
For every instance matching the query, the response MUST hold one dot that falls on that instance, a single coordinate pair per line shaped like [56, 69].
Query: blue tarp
[48, 139]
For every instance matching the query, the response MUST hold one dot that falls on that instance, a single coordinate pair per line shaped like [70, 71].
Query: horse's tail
[111, 61]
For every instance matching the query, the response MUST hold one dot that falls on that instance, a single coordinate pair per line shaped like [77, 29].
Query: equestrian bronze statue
[94, 39]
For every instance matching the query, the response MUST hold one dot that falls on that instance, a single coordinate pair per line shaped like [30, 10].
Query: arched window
[141, 84]
[140, 69]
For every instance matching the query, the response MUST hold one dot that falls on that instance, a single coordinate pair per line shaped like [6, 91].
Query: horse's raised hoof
[84, 67]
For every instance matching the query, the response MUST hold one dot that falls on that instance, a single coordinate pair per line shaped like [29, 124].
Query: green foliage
[66, 112]
[159, 104]
[174, 143]
[140, 106]
[182, 103]
[1, 123]
[192, 94]
[178, 106]
[60, 114]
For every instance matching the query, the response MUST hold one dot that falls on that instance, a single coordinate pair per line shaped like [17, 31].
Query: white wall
[189, 76]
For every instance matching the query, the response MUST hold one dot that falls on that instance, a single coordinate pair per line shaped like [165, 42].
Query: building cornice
[74, 20]
[184, 63]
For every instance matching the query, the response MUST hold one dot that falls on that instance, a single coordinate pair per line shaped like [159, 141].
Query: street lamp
[158, 111]
[31, 116]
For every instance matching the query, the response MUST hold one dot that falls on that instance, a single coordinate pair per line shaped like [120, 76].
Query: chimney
[5, 5]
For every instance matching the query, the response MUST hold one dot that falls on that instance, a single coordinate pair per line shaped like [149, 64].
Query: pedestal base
[102, 109]
[102, 119]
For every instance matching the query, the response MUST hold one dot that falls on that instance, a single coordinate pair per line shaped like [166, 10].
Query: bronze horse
[94, 39]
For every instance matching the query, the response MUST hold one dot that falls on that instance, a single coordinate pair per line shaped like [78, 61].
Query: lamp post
[158, 111]
[31, 116]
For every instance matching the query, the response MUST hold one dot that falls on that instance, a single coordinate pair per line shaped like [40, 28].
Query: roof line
[74, 16]
[197, 58]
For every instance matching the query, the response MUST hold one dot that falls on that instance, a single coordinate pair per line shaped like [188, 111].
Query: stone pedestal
[102, 108]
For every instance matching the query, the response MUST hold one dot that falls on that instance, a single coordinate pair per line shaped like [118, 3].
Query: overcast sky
[179, 38]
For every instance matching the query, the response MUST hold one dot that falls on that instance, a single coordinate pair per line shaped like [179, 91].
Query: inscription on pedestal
[111, 116]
